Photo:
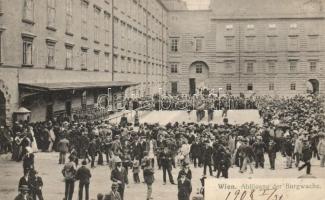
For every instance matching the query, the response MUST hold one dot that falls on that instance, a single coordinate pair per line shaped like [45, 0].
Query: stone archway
[198, 76]
[313, 86]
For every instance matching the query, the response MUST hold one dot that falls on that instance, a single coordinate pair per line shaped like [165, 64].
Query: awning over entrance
[47, 87]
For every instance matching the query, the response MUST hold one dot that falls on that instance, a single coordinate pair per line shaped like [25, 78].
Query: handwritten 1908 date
[266, 194]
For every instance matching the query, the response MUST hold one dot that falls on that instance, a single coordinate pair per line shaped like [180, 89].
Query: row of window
[197, 44]
[84, 58]
[250, 67]
[251, 27]
[250, 87]
[251, 43]
[293, 43]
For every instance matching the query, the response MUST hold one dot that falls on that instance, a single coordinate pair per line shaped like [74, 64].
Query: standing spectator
[248, 157]
[184, 188]
[195, 152]
[297, 150]
[28, 160]
[321, 149]
[186, 169]
[207, 156]
[24, 194]
[92, 151]
[306, 156]
[119, 175]
[166, 163]
[136, 171]
[83, 175]
[114, 194]
[272, 149]
[258, 148]
[148, 177]
[36, 185]
[24, 181]
[63, 148]
[69, 172]
[288, 150]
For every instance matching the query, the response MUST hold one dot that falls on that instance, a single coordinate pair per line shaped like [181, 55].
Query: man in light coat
[321, 149]
[63, 148]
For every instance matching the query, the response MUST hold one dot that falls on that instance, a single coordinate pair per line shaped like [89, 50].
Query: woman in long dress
[34, 143]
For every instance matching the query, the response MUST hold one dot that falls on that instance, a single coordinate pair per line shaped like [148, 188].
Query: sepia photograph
[162, 99]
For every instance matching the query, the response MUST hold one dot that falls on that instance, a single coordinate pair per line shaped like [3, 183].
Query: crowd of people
[292, 128]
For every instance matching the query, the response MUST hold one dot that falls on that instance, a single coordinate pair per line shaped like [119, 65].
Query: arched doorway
[2, 109]
[198, 76]
[313, 86]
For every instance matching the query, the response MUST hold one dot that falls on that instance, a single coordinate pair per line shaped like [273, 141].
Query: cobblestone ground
[46, 164]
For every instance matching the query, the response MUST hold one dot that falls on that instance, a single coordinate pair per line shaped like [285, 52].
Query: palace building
[58, 56]
[258, 47]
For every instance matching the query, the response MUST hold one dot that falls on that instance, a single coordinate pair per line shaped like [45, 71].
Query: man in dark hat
[195, 152]
[69, 172]
[83, 175]
[119, 175]
[184, 187]
[207, 156]
[271, 151]
[114, 194]
[185, 169]
[306, 156]
[166, 163]
[36, 185]
[24, 193]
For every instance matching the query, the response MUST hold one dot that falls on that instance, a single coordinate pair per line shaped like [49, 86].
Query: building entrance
[313, 86]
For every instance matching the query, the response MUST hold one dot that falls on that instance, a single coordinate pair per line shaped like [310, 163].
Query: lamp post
[108, 96]
[160, 93]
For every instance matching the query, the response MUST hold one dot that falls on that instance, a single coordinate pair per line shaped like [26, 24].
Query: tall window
[271, 67]
[293, 86]
[271, 43]
[107, 62]
[174, 88]
[313, 66]
[28, 51]
[173, 68]
[96, 61]
[28, 10]
[228, 87]
[107, 27]
[84, 58]
[198, 44]
[68, 16]
[174, 44]
[50, 54]
[250, 86]
[313, 43]
[250, 43]
[96, 24]
[51, 13]
[229, 43]
[84, 18]
[271, 86]
[293, 43]
[228, 66]
[199, 68]
[69, 57]
[293, 65]
[250, 67]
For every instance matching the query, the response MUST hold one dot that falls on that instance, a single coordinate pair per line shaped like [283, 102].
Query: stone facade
[249, 47]
[52, 41]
